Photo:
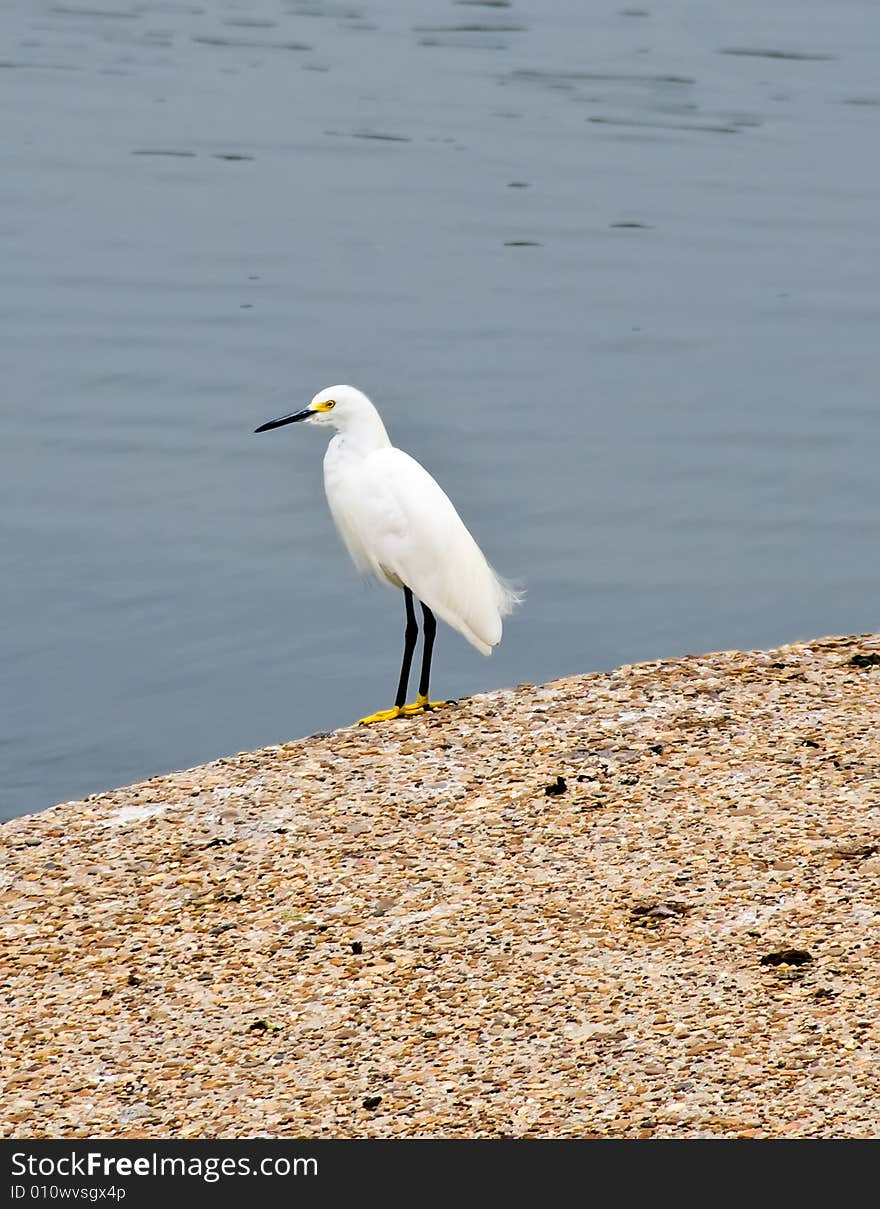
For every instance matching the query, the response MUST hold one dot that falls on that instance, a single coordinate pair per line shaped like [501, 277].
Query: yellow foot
[423, 706]
[384, 715]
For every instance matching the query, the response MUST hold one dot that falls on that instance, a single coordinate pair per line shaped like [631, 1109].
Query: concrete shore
[641, 903]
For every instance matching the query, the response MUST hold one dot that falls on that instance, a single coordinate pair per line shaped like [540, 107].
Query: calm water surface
[609, 270]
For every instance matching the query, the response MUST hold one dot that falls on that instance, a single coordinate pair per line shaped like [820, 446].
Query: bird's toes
[382, 715]
[423, 706]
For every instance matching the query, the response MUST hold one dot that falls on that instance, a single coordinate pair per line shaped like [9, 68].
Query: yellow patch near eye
[327, 405]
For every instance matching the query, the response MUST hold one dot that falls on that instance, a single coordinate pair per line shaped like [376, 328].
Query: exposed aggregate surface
[418, 929]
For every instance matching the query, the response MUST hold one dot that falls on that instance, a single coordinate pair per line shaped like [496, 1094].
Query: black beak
[293, 418]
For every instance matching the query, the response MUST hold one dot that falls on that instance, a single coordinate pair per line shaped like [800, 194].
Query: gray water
[610, 271]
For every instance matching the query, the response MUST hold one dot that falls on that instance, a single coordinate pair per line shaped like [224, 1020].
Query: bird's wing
[415, 536]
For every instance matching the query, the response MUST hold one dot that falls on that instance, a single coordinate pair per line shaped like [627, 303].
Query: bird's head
[337, 407]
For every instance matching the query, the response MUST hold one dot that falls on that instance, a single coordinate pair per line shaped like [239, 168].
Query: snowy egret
[400, 526]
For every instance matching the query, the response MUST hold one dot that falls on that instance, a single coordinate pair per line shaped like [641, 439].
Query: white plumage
[399, 525]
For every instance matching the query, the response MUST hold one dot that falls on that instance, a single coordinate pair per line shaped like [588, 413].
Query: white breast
[358, 511]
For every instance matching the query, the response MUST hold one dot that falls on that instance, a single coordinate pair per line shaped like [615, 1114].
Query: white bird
[399, 525]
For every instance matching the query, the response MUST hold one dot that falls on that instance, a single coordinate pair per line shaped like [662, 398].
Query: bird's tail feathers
[509, 593]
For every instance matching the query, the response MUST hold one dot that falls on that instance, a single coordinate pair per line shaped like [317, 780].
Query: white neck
[364, 433]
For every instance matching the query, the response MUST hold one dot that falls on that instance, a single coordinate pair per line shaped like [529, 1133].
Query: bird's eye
[330, 404]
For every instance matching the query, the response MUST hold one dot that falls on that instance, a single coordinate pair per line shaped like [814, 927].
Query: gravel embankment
[406, 931]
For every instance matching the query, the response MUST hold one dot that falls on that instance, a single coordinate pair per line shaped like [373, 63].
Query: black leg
[427, 650]
[410, 637]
